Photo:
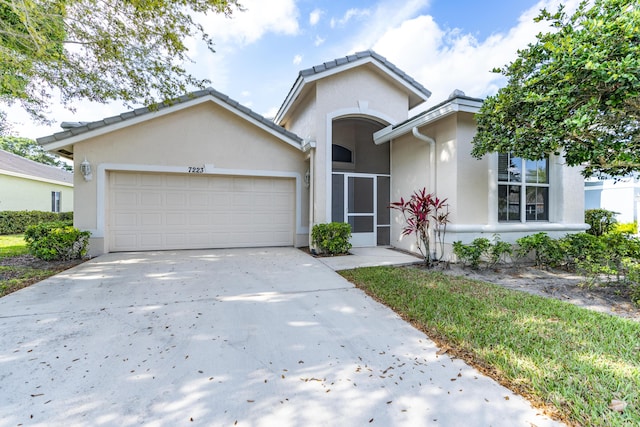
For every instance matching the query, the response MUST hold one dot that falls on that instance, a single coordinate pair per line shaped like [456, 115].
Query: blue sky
[444, 44]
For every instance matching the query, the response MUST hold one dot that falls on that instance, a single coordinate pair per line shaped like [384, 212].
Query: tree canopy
[31, 150]
[102, 50]
[576, 91]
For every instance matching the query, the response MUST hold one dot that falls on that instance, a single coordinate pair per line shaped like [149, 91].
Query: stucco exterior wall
[470, 186]
[359, 92]
[205, 135]
[20, 194]
[409, 173]
[472, 176]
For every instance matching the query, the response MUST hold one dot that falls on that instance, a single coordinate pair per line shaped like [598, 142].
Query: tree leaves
[101, 50]
[574, 91]
[31, 150]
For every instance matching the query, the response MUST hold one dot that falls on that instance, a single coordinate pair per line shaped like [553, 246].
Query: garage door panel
[171, 211]
[151, 180]
[175, 199]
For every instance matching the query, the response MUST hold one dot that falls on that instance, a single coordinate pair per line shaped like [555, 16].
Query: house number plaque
[195, 169]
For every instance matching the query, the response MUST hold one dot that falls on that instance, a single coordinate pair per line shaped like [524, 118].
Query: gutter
[432, 178]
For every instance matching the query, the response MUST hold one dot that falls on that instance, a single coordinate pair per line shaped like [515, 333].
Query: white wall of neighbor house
[20, 193]
[205, 135]
[622, 197]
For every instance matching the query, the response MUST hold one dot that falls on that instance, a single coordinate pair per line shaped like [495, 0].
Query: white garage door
[149, 211]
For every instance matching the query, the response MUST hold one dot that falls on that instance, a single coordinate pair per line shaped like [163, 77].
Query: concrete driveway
[251, 337]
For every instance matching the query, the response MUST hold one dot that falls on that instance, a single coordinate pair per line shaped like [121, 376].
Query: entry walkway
[369, 257]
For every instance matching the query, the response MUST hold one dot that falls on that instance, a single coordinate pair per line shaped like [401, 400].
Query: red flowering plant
[422, 211]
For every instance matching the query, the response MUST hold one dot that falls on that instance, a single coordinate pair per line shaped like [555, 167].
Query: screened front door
[360, 206]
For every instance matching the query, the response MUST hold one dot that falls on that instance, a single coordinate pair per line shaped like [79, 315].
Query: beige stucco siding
[471, 196]
[19, 194]
[366, 84]
[409, 173]
[205, 135]
[303, 123]
[359, 92]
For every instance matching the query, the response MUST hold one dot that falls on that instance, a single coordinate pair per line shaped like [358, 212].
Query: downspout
[432, 177]
[309, 147]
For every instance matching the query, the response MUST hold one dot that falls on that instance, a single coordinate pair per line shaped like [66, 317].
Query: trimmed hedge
[16, 222]
[57, 240]
[332, 238]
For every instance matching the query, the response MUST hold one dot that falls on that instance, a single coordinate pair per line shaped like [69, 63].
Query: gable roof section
[457, 102]
[62, 142]
[14, 165]
[417, 93]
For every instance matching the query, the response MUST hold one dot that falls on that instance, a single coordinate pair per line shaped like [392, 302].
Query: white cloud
[259, 18]
[297, 59]
[447, 59]
[319, 40]
[314, 16]
[348, 16]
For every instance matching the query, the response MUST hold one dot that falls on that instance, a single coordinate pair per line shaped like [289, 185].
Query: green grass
[570, 360]
[12, 245]
[21, 277]
[17, 277]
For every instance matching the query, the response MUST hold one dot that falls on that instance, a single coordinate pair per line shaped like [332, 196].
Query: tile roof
[10, 162]
[455, 95]
[366, 54]
[79, 128]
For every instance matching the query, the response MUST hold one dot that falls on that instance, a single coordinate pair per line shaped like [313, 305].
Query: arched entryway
[361, 180]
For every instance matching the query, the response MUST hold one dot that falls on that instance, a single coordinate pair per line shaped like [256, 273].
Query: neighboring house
[618, 195]
[207, 172]
[26, 185]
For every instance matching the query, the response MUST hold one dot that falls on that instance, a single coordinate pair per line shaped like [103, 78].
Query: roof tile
[10, 162]
[86, 127]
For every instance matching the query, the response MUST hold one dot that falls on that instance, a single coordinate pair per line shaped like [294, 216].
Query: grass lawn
[571, 361]
[15, 276]
[12, 245]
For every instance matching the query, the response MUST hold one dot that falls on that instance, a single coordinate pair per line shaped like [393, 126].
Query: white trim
[52, 146]
[35, 178]
[302, 81]
[515, 227]
[101, 183]
[451, 107]
[339, 114]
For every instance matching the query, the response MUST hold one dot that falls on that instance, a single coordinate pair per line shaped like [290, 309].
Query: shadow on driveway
[247, 337]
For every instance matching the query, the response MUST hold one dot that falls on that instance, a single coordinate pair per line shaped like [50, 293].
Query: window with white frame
[56, 197]
[523, 189]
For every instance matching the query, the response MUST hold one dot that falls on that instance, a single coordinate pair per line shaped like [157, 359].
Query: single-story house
[620, 195]
[26, 185]
[207, 172]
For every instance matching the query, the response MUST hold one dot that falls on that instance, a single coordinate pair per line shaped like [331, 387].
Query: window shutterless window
[56, 197]
[523, 189]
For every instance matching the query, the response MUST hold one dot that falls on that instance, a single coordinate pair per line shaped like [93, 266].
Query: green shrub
[546, 251]
[332, 238]
[626, 228]
[16, 222]
[499, 251]
[56, 241]
[472, 253]
[601, 221]
[583, 246]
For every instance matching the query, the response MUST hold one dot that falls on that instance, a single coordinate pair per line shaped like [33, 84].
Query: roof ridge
[128, 115]
[11, 162]
[358, 56]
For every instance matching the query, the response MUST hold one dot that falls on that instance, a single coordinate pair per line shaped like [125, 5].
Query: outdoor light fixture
[85, 170]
